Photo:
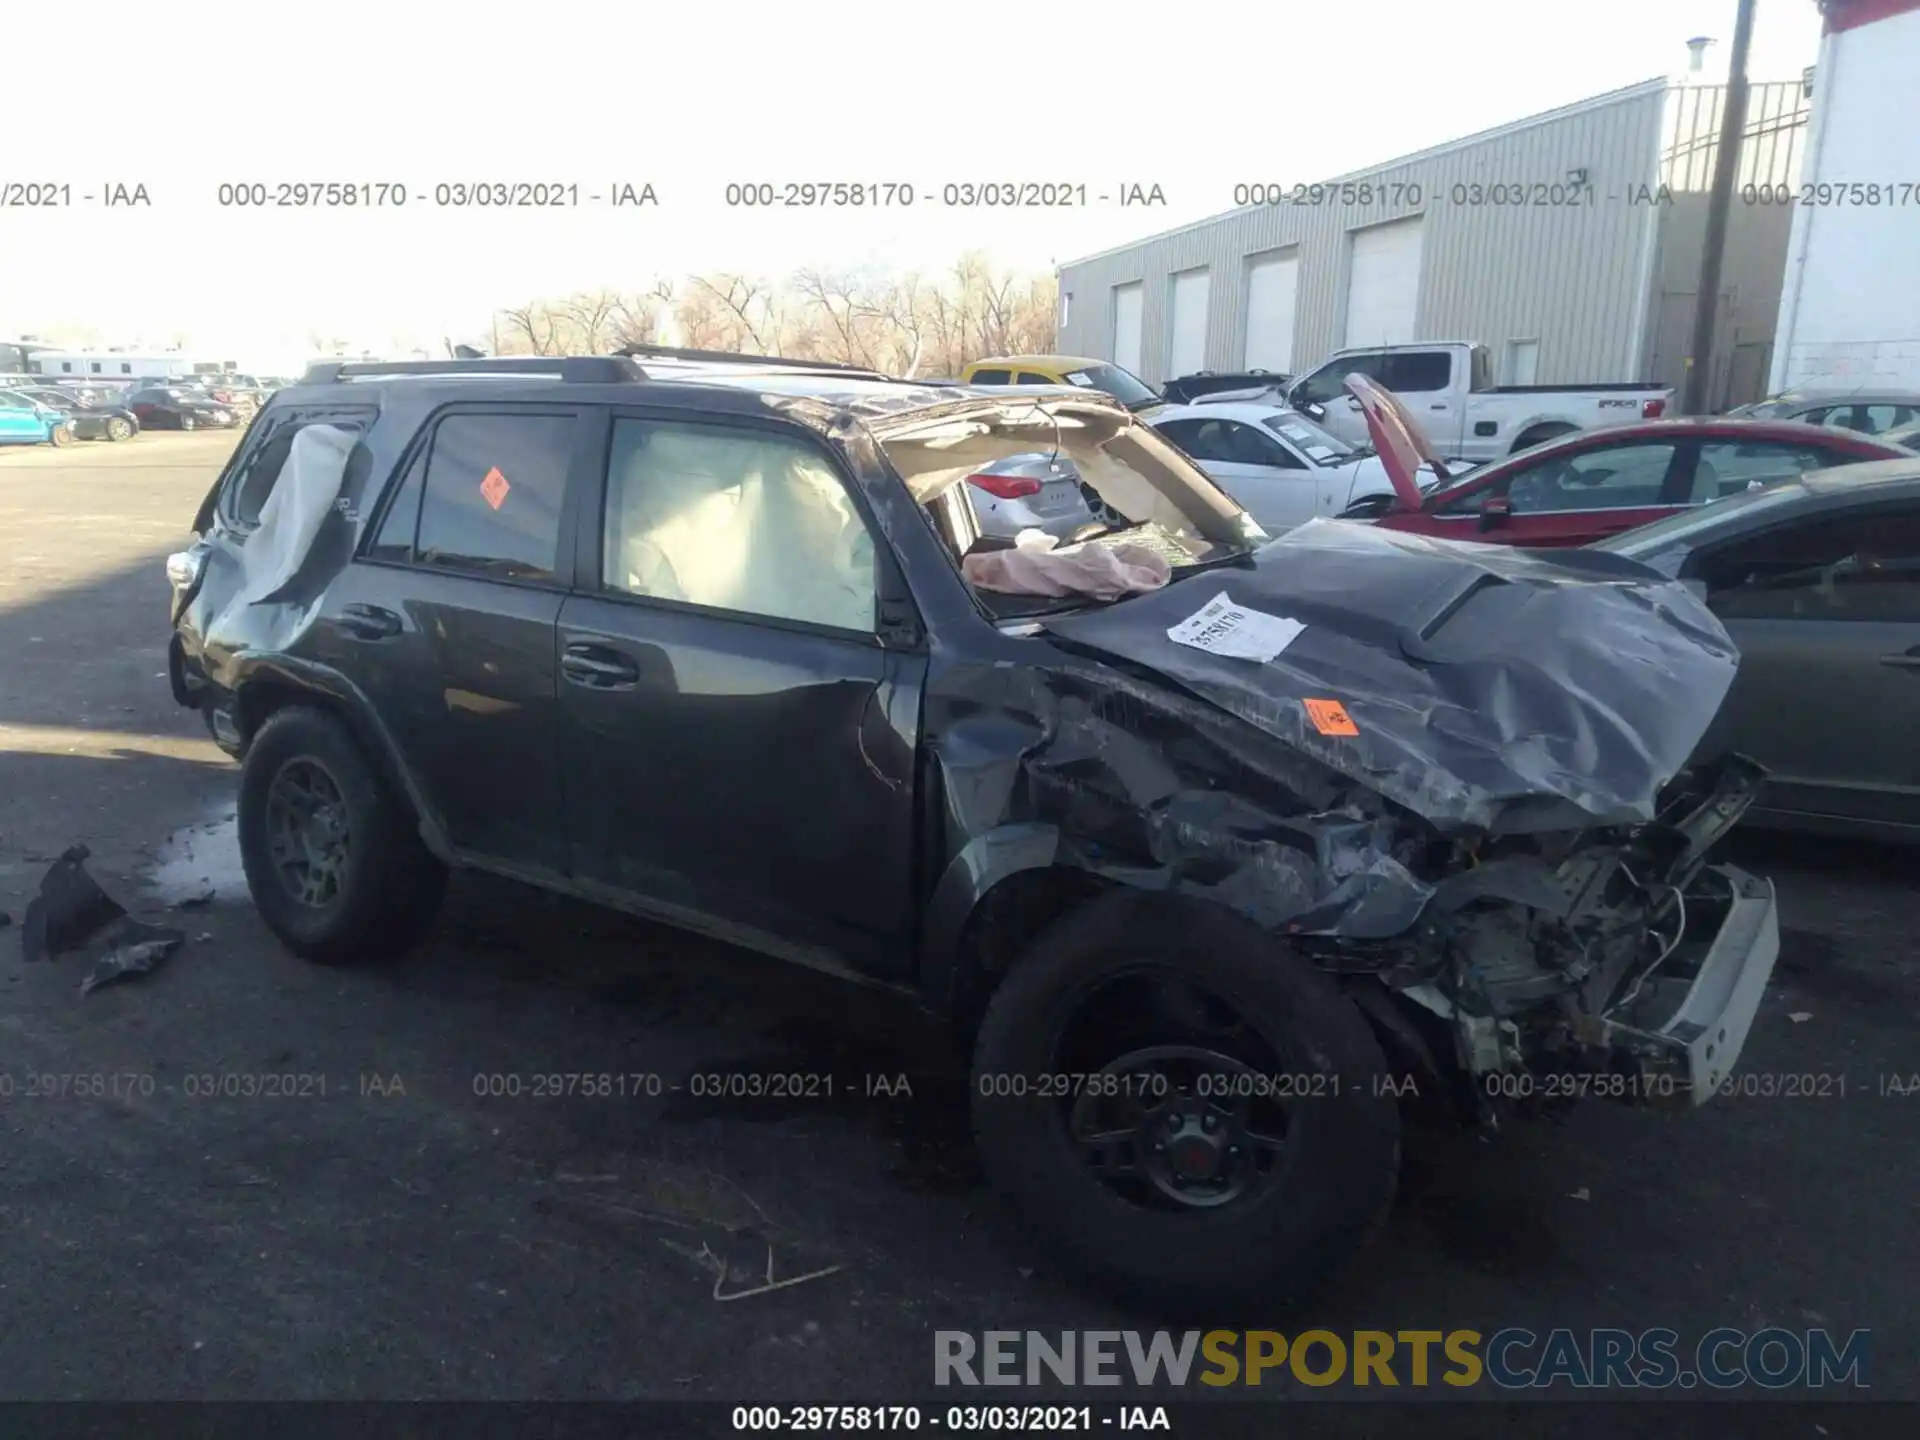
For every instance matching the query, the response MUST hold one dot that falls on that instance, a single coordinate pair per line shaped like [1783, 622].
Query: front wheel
[187, 422]
[335, 865]
[60, 435]
[1185, 1109]
[119, 429]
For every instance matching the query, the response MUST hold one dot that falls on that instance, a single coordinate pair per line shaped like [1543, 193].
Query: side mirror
[1495, 511]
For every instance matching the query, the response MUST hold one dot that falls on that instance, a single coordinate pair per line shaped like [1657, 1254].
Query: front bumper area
[1680, 1035]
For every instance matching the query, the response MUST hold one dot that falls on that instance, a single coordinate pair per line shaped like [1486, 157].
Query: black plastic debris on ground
[70, 911]
[135, 948]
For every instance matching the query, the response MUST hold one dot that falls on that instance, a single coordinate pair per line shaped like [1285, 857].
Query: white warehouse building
[1850, 315]
[1550, 240]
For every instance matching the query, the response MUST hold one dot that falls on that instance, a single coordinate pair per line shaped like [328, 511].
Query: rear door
[18, 420]
[1723, 468]
[448, 619]
[1826, 614]
[737, 738]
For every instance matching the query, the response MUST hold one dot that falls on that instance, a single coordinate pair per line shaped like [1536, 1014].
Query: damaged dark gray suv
[1214, 867]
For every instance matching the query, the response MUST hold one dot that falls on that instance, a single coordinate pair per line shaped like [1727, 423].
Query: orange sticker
[1330, 717]
[495, 488]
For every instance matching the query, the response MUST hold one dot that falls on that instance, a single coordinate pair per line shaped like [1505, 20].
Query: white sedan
[1277, 463]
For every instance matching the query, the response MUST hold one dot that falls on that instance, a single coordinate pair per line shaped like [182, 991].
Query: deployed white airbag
[1035, 567]
[762, 527]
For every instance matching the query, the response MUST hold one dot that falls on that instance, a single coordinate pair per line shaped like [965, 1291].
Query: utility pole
[1733, 121]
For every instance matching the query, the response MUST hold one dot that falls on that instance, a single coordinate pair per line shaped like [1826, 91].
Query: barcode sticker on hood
[1221, 627]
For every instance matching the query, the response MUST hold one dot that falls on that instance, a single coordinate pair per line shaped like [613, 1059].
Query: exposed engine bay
[1613, 963]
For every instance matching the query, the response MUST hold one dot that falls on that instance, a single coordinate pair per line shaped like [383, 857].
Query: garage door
[1187, 335]
[1383, 284]
[1271, 283]
[1127, 315]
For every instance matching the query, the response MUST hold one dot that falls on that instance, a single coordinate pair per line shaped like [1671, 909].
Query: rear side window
[493, 492]
[263, 455]
[990, 377]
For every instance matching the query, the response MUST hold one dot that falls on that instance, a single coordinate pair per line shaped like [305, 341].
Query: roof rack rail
[729, 357]
[573, 369]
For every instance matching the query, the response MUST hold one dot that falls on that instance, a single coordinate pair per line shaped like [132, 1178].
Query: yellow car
[1129, 389]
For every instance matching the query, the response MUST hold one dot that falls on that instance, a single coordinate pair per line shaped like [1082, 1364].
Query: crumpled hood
[1480, 686]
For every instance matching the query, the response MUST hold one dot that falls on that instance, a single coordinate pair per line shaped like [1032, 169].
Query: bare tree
[756, 308]
[531, 329]
[901, 323]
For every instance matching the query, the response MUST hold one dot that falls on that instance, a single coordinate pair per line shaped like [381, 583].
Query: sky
[417, 95]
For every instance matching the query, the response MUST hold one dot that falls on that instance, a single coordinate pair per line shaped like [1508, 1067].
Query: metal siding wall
[1567, 276]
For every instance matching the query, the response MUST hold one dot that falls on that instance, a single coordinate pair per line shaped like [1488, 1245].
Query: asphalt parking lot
[387, 1231]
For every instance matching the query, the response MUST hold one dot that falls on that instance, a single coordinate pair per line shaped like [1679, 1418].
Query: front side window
[734, 520]
[1864, 566]
[1614, 477]
[494, 488]
[1330, 382]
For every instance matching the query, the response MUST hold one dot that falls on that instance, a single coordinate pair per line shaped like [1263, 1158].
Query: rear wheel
[1184, 1108]
[334, 863]
[187, 422]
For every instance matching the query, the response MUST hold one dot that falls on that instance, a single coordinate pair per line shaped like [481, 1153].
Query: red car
[1596, 483]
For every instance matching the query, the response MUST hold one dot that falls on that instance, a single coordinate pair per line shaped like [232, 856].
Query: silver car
[1035, 491]
[1868, 411]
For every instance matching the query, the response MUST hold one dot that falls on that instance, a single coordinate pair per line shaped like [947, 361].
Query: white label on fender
[1221, 627]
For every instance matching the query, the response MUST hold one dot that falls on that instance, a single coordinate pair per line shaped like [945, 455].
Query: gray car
[1868, 411]
[1818, 582]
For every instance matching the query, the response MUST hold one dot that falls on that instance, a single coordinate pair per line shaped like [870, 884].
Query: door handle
[1906, 660]
[598, 668]
[369, 622]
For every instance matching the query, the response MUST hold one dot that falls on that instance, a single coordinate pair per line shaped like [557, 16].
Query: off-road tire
[393, 885]
[1343, 1148]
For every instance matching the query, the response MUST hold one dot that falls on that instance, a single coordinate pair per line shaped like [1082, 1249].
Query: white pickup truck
[1448, 385]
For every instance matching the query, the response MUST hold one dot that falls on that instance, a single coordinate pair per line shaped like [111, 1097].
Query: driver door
[1333, 408]
[1570, 498]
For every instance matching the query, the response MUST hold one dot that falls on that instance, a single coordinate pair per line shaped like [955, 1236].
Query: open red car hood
[1402, 445]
